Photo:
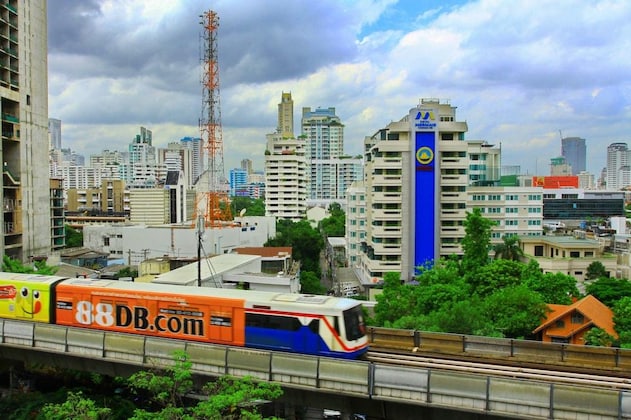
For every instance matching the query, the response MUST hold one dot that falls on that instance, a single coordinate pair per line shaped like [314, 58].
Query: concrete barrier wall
[509, 397]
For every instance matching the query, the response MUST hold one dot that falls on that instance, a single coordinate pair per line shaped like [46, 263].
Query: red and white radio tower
[212, 201]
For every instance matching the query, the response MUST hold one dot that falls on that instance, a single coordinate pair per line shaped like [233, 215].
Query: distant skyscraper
[324, 134]
[238, 182]
[54, 130]
[246, 165]
[195, 145]
[574, 151]
[286, 116]
[617, 166]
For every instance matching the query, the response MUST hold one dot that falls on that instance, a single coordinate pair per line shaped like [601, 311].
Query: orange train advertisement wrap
[26, 299]
[188, 317]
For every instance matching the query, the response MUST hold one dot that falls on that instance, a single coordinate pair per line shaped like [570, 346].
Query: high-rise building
[574, 151]
[618, 171]
[246, 165]
[177, 157]
[324, 135]
[54, 131]
[286, 115]
[195, 145]
[26, 216]
[238, 182]
[418, 174]
[285, 177]
[559, 166]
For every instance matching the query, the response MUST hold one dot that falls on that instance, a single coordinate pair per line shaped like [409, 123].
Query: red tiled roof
[265, 251]
[595, 312]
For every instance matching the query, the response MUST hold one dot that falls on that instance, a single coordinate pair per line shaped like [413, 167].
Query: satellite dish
[242, 212]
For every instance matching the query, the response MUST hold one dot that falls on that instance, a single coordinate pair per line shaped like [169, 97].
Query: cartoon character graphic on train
[26, 296]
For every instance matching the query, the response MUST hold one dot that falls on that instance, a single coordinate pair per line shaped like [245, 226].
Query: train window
[354, 323]
[274, 322]
[314, 326]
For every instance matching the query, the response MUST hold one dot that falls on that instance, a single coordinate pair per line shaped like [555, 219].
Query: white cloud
[517, 71]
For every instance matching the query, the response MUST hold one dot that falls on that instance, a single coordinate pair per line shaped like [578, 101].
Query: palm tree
[509, 249]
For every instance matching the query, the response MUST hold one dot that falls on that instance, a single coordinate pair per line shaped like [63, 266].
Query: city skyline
[520, 73]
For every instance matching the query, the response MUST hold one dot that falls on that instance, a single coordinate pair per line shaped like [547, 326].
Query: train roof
[30, 277]
[252, 298]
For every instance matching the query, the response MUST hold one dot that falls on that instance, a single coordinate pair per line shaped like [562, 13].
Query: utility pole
[200, 232]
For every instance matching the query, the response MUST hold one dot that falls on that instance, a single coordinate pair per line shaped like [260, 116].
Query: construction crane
[212, 203]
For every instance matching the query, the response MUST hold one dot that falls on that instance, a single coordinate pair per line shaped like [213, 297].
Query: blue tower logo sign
[424, 155]
[425, 120]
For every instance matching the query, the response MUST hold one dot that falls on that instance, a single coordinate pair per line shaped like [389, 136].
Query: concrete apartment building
[111, 198]
[330, 172]
[26, 216]
[618, 169]
[285, 169]
[136, 243]
[418, 172]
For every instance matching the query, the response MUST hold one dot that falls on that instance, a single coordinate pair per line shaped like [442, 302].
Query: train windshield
[354, 323]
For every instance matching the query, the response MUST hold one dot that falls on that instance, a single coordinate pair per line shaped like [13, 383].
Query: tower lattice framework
[212, 202]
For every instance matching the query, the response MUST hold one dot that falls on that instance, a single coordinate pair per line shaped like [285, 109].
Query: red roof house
[569, 323]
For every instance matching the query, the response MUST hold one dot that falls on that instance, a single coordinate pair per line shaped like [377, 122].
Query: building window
[538, 250]
[559, 323]
[106, 241]
[575, 254]
[589, 253]
[577, 318]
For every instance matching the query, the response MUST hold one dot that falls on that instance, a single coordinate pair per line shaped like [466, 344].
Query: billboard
[424, 126]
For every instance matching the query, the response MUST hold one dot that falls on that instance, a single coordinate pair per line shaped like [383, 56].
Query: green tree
[438, 285]
[165, 388]
[459, 317]
[495, 275]
[74, 237]
[231, 398]
[609, 290]
[557, 288]
[599, 337]
[335, 224]
[596, 270]
[395, 302]
[127, 272]
[253, 206]
[305, 241]
[11, 265]
[476, 242]
[310, 284]
[161, 395]
[514, 311]
[622, 320]
[509, 248]
[76, 406]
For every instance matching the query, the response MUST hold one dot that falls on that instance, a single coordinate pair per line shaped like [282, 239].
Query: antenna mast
[213, 203]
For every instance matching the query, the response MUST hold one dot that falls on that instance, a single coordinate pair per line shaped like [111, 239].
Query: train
[299, 323]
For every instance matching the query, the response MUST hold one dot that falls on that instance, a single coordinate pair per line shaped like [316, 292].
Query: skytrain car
[27, 296]
[319, 325]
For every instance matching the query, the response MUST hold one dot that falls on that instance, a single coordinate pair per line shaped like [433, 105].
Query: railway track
[500, 370]
[508, 353]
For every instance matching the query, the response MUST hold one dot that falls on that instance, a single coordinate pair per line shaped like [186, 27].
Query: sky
[522, 74]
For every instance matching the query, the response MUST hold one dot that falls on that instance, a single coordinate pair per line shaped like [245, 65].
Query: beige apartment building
[112, 197]
[26, 215]
[567, 254]
[418, 172]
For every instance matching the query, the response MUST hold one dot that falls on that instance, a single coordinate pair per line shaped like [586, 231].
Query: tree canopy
[162, 394]
[252, 206]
